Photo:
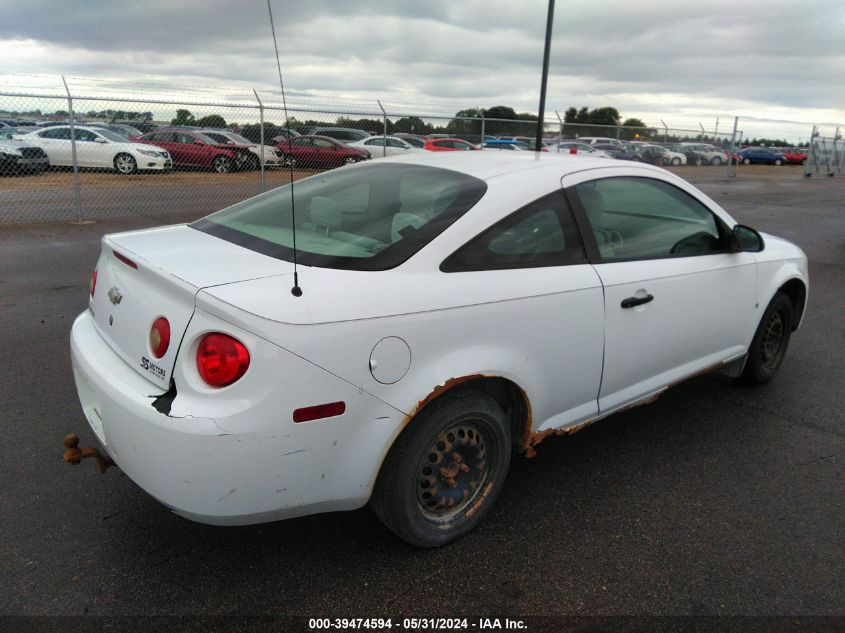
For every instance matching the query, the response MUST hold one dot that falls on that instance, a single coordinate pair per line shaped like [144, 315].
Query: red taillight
[92, 286]
[160, 337]
[221, 359]
[316, 412]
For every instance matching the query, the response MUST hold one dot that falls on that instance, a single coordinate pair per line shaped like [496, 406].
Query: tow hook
[73, 454]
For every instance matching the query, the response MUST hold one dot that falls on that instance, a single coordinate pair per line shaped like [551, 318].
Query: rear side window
[540, 234]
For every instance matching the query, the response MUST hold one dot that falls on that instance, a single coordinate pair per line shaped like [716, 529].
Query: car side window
[62, 133]
[85, 135]
[645, 218]
[319, 142]
[375, 141]
[540, 234]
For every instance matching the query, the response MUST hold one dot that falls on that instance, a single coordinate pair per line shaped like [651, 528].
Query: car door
[557, 329]
[55, 141]
[676, 301]
[325, 153]
[90, 153]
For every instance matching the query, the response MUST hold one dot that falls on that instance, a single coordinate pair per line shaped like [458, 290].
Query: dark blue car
[761, 156]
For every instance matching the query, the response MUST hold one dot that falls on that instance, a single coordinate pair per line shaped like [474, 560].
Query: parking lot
[715, 500]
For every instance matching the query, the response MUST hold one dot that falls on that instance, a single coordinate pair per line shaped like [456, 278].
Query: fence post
[384, 131]
[665, 131]
[483, 125]
[560, 121]
[811, 154]
[731, 150]
[261, 146]
[73, 152]
[837, 159]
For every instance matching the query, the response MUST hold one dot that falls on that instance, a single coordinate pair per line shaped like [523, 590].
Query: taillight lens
[92, 285]
[160, 337]
[221, 359]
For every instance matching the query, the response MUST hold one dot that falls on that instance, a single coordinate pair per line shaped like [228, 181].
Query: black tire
[252, 163]
[222, 164]
[770, 341]
[716, 161]
[444, 472]
[125, 164]
[350, 160]
[289, 161]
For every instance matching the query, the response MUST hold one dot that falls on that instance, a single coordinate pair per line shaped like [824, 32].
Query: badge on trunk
[114, 295]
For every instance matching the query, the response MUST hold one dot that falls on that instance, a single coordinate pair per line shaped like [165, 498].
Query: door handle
[631, 302]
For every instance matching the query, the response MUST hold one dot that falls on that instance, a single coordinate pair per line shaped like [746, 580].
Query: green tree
[412, 125]
[183, 117]
[211, 120]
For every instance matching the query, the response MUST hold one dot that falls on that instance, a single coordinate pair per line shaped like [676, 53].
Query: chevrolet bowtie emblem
[114, 295]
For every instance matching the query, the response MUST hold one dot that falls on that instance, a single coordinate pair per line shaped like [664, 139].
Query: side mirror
[100, 139]
[744, 239]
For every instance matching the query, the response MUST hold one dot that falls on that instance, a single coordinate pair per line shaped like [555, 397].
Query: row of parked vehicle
[32, 148]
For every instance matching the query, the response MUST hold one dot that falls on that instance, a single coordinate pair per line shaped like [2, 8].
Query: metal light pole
[539, 140]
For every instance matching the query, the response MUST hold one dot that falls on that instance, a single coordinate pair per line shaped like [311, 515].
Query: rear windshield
[368, 217]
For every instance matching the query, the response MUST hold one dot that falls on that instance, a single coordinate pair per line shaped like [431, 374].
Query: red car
[315, 151]
[795, 155]
[447, 145]
[193, 149]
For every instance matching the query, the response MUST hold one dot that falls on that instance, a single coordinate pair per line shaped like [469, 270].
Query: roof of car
[489, 165]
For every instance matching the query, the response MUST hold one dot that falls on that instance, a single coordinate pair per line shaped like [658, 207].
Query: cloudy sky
[681, 61]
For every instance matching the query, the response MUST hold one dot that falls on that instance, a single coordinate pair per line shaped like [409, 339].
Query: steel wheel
[768, 347]
[444, 472]
[453, 473]
[778, 162]
[222, 164]
[125, 164]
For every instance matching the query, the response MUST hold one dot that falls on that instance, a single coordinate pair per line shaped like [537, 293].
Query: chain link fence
[87, 156]
[826, 154]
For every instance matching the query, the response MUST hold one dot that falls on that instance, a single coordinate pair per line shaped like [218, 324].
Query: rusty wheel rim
[453, 472]
[771, 342]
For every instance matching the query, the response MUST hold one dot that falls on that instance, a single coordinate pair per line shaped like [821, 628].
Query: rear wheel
[770, 341]
[716, 161]
[778, 162]
[444, 472]
[676, 161]
[746, 161]
[125, 164]
[349, 160]
[222, 164]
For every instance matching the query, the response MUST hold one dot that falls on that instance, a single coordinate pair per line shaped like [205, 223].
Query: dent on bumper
[250, 466]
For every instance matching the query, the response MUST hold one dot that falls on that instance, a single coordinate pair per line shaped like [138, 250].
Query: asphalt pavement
[716, 500]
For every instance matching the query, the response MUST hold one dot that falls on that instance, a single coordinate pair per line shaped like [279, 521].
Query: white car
[272, 156]
[380, 146]
[441, 313]
[97, 147]
[581, 149]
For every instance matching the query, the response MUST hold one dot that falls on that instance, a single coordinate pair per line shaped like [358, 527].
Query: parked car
[709, 153]
[760, 156]
[19, 157]
[659, 155]
[380, 146]
[97, 148]
[447, 144]
[272, 156]
[195, 149]
[693, 156]
[414, 139]
[795, 155]
[450, 311]
[581, 149]
[342, 134]
[126, 131]
[315, 151]
[605, 140]
[623, 151]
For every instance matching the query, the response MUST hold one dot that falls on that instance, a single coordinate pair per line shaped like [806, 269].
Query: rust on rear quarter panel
[532, 439]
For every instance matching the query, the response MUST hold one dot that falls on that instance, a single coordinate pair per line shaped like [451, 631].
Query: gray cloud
[760, 54]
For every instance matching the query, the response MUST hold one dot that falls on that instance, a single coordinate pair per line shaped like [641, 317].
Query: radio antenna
[296, 291]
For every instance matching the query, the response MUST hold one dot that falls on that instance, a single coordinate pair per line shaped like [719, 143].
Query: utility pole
[549, 18]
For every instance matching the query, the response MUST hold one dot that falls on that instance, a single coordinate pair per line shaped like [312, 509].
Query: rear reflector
[125, 260]
[316, 412]
[93, 285]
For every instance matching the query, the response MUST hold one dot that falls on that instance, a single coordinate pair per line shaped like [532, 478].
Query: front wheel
[778, 162]
[445, 471]
[222, 164]
[125, 164]
[350, 160]
[676, 161]
[289, 161]
[770, 341]
[716, 161]
[746, 161]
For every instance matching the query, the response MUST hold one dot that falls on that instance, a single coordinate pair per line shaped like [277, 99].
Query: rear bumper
[233, 460]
